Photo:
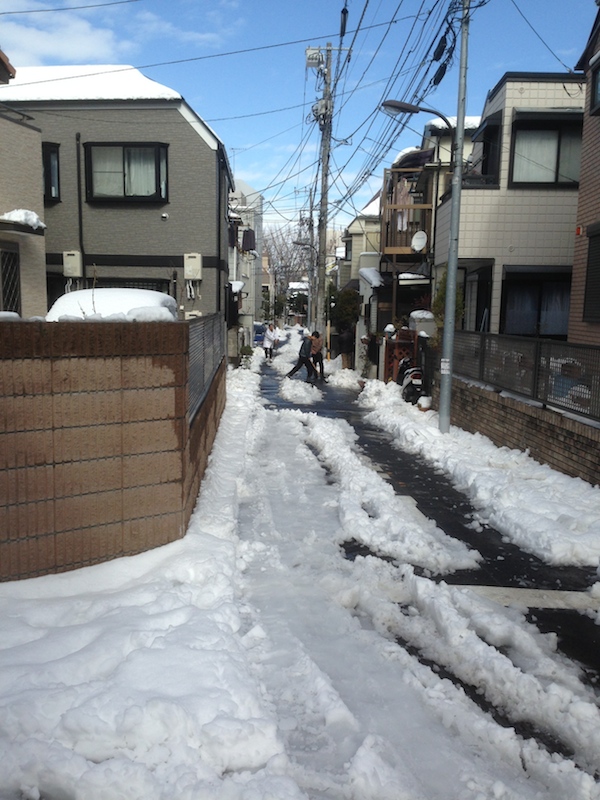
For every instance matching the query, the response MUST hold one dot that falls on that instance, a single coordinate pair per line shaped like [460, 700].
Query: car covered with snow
[114, 305]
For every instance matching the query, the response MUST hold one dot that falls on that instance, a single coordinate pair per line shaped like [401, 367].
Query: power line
[546, 45]
[68, 8]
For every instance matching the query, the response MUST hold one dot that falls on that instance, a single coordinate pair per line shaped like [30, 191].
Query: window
[10, 278]
[51, 176]
[546, 155]
[127, 172]
[595, 93]
[591, 302]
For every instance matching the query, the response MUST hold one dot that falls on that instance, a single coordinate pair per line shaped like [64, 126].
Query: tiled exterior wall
[97, 458]
[551, 438]
[588, 213]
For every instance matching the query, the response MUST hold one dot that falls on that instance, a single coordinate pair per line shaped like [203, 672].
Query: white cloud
[64, 39]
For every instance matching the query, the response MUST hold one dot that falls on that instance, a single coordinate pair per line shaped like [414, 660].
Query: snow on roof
[372, 207]
[84, 82]
[471, 123]
[237, 286]
[371, 275]
[404, 152]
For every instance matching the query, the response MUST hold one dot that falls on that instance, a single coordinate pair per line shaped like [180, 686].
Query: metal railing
[553, 373]
[207, 350]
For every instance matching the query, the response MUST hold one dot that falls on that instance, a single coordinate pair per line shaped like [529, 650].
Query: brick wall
[97, 456]
[564, 443]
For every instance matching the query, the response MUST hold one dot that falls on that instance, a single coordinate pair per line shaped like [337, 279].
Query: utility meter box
[72, 264]
[192, 266]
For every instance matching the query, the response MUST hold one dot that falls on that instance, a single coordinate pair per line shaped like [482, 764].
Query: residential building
[519, 207]
[22, 246]
[584, 317]
[245, 255]
[136, 184]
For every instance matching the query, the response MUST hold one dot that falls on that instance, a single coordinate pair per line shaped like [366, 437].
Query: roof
[7, 71]
[437, 123]
[534, 77]
[591, 43]
[84, 82]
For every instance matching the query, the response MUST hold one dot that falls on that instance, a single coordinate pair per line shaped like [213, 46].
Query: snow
[251, 661]
[84, 82]
[371, 275]
[24, 217]
[114, 305]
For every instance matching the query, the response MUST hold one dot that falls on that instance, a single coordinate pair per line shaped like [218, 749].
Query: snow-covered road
[252, 661]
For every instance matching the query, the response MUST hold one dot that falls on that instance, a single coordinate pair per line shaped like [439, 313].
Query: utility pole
[325, 122]
[457, 171]
[323, 114]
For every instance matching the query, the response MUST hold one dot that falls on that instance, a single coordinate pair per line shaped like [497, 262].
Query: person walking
[316, 353]
[271, 340]
[304, 359]
[346, 345]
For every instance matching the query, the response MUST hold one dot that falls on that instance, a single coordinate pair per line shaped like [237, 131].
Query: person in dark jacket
[346, 345]
[316, 354]
[304, 359]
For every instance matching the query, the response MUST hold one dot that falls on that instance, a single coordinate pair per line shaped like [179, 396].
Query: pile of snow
[23, 217]
[114, 305]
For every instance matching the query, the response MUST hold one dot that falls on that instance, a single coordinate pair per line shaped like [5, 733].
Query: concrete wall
[98, 458]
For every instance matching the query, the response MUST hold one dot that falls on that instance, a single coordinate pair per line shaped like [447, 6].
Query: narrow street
[551, 597]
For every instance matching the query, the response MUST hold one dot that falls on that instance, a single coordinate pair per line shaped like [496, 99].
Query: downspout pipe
[80, 206]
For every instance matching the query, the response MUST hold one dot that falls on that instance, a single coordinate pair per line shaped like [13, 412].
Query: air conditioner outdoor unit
[192, 266]
[72, 264]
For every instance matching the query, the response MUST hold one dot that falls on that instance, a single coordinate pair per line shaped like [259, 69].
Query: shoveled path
[506, 572]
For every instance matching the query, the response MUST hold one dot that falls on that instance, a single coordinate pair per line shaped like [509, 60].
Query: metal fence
[207, 350]
[553, 373]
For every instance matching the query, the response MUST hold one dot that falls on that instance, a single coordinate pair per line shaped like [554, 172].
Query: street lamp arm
[394, 107]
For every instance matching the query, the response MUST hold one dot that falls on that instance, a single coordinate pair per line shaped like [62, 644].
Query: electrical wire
[68, 8]
[546, 45]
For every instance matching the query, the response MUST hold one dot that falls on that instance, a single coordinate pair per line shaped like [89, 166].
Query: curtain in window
[554, 313]
[536, 155]
[570, 156]
[107, 171]
[521, 309]
[140, 168]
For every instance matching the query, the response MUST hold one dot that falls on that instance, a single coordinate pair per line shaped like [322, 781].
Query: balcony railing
[403, 211]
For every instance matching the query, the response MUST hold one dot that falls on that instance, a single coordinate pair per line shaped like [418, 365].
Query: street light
[396, 106]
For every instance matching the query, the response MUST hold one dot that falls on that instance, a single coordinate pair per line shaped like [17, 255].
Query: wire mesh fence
[553, 373]
[207, 350]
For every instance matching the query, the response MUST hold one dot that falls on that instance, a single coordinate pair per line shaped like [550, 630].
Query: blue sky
[241, 65]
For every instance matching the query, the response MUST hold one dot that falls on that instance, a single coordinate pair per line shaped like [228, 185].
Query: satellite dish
[419, 241]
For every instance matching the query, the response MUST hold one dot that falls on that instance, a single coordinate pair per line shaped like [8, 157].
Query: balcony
[404, 213]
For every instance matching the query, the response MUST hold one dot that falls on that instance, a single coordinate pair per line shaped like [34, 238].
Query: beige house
[136, 185]
[519, 207]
